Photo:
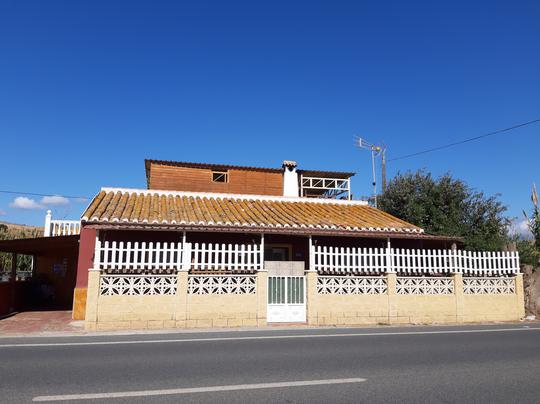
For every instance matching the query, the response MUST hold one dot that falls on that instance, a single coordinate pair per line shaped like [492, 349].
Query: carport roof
[39, 245]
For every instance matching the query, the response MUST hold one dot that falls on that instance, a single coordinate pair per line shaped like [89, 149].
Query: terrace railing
[125, 257]
[339, 260]
[226, 257]
[57, 227]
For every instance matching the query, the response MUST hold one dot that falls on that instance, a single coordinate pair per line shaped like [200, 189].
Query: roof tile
[206, 209]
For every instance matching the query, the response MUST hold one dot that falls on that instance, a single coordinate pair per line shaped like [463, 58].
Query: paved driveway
[39, 322]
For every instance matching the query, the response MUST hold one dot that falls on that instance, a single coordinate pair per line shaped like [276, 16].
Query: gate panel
[286, 299]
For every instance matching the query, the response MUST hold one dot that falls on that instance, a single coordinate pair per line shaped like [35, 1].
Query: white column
[389, 258]
[186, 254]
[311, 254]
[261, 256]
[47, 229]
[97, 254]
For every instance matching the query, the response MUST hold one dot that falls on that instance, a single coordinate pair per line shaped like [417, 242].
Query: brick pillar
[458, 294]
[391, 279]
[311, 298]
[181, 299]
[92, 300]
[262, 297]
[520, 296]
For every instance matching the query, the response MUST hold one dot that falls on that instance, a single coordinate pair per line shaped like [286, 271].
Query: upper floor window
[220, 176]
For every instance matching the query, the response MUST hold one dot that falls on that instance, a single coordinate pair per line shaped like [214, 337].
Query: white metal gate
[286, 299]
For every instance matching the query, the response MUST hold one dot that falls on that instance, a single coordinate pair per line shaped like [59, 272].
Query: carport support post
[12, 279]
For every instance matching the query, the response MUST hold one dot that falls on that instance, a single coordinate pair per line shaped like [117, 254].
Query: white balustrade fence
[365, 261]
[174, 256]
[340, 260]
[127, 256]
[60, 227]
[65, 227]
[226, 257]
[492, 262]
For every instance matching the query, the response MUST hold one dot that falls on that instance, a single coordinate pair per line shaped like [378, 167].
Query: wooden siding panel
[200, 180]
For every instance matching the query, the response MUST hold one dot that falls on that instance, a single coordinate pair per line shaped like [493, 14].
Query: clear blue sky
[90, 89]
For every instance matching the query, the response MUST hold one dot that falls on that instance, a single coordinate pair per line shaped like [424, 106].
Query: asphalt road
[413, 364]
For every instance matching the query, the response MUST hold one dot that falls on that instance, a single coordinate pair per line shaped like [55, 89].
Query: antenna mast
[375, 152]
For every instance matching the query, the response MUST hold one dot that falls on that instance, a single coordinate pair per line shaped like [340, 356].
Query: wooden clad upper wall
[200, 180]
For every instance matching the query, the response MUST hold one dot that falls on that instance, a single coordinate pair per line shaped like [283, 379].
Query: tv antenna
[375, 152]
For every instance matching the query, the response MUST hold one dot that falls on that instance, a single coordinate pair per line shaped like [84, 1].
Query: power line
[446, 146]
[36, 194]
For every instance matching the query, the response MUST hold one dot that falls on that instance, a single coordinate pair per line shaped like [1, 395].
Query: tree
[447, 206]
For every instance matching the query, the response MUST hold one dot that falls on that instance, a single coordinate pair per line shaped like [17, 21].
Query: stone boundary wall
[178, 310]
[232, 303]
[421, 308]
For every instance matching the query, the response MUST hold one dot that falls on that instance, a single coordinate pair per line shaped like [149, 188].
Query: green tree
[447, 206]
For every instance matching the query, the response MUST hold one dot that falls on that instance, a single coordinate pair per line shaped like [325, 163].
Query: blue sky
[90, 89]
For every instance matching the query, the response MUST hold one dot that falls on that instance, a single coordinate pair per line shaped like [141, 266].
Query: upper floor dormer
[289, 180]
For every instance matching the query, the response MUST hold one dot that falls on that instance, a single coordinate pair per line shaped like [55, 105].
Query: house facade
[210, 245]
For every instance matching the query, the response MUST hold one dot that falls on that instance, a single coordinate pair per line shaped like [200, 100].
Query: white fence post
[389, 257]
[47, 228]
[311, 254]
[261, 254]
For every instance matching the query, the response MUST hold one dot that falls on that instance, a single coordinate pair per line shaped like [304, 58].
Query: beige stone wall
[182, 310]
[391, 308]
[249, 310]
[223, 311]
[348, 310]
[486, 308]
[423, 309]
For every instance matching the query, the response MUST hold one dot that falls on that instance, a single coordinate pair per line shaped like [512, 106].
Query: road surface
[410, 364]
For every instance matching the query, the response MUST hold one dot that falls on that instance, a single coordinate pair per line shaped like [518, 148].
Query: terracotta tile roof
[150, 207]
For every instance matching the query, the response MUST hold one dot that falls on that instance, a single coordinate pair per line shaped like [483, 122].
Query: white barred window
[356, 285]
[221, 284]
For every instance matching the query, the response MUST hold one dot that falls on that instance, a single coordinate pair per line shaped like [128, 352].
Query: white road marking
[189, 390]
[263, 337]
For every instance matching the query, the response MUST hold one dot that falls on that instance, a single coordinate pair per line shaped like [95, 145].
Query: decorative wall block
[485, 286]
[113, 285]
[424, 286]
[344, 285]
[221, 284]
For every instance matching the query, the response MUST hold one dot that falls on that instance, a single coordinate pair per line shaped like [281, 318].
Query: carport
[52, 281]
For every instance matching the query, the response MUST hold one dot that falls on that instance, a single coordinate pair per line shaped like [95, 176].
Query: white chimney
[290, 179]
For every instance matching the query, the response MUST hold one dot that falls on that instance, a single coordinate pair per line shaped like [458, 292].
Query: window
[277, 252]
[220, 176]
